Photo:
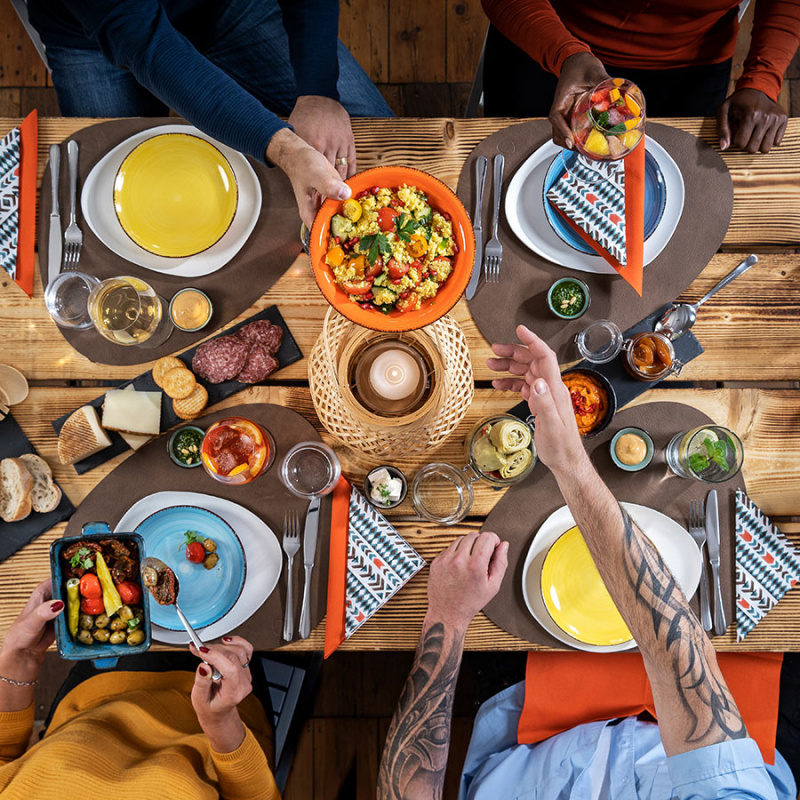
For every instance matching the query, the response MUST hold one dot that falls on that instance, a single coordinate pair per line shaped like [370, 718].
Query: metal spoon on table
[153, 571]
[678, 319]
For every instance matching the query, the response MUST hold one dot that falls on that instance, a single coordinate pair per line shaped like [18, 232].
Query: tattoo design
[419, 736]
[683, 638]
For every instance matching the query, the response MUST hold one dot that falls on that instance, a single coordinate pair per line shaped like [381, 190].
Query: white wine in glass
[127, 311]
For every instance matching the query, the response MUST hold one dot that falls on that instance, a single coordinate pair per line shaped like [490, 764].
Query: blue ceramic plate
[655, 200]
[205, 595]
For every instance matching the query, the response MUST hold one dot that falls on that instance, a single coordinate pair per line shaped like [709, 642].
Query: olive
[125, 613]
[84, 637]
[101, 621]
[101, 635]
[209, 545]
[86, 622]
[210, 561]
[135, 637]
[118, 637]
[118, 624]
[149, 577]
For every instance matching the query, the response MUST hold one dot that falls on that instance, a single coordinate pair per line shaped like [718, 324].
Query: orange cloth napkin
[26, 237]
[563, 690]
[633, 271]
[337, 566]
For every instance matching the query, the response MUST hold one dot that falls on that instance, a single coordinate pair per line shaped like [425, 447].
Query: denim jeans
[249, 43]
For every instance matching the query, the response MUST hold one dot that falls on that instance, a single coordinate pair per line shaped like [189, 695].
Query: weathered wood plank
[20, 64]
[417, 41]
[466, 30]
[364, 29]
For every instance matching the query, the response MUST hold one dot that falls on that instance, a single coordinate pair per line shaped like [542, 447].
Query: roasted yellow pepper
[111, 599]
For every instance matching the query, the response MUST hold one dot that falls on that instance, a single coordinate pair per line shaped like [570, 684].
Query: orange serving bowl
[442, 199]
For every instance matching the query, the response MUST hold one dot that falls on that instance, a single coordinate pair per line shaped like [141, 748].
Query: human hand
[29, 636]
[325, 125]
[580, 73]
[750, 120]
[538, 380]
[465, 577]
[312, 176]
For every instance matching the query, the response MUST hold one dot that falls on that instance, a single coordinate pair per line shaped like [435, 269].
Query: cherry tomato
[374, 270]
[408, 303]
[357, 287]
[90, 586]
[396, 269]
[130, 593]
[92, 605]
[195, 553]
[386, 219]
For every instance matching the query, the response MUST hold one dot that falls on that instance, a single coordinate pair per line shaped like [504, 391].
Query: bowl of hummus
[593, 400]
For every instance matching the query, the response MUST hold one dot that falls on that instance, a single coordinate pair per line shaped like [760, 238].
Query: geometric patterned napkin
[379, 563]
[9, 201]
[767, 565]
[595, 202]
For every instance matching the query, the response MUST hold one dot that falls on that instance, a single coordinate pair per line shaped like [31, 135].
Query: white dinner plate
[97, 205]
[524, 207]
[261, 549]
[673, 542]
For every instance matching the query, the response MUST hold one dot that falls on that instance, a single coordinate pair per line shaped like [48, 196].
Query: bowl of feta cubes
[385, 487]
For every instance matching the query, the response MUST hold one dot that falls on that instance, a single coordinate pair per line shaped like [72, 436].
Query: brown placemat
[526, 506]
[150, 470]
[521, 295]
[266, 255]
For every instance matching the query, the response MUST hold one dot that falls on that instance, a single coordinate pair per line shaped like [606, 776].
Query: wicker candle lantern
[390, 394]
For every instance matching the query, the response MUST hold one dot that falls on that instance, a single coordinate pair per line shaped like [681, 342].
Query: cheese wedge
[81, 436]
[133, 412]
[135, 440]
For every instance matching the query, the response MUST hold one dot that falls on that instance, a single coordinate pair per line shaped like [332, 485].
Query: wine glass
[128, 311]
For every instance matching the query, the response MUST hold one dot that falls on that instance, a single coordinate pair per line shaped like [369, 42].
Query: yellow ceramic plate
[175, 195]
[575, 595]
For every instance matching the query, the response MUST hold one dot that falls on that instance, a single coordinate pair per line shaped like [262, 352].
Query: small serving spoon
[156, 564]
[678, 319]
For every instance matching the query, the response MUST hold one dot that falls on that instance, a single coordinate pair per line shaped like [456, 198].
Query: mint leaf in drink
[698, 463]
[601, 119]
[617, 129]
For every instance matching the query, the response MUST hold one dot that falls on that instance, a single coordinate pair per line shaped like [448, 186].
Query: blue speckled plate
[206, 595]
[655, 201]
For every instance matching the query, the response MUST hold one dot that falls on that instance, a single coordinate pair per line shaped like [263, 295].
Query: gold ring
[341, 161]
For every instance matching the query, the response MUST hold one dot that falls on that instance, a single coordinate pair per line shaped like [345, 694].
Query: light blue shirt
[603, 760]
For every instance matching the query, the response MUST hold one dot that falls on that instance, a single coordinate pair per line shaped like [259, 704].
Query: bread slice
[16, 485]
[46, 495]
[81, 436]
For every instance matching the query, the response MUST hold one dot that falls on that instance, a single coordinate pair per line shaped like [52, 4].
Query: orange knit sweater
[132, 736]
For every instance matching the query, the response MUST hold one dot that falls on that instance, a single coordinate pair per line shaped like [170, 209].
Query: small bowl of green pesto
[185, 444]
[569, 298]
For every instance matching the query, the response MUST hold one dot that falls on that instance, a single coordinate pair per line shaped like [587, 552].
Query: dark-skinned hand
[580, 73]
[750, 120]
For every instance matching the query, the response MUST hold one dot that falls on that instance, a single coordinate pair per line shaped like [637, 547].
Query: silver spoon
[152, 569]
[678, 319]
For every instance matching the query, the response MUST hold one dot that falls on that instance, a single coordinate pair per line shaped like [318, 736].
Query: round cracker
[189, 407]
[164, 365]
[179, 383]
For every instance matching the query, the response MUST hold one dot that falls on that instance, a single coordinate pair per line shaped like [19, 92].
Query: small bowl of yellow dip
[190, 310]
[632, 449]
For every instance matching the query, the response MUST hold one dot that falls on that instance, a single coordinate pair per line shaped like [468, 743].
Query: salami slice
[262, 331]
[259, 365]
[220, 359]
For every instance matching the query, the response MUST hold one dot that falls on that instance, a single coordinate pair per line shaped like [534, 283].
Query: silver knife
[712, 531]
[54, 243]
[481, 165]
[309, 551]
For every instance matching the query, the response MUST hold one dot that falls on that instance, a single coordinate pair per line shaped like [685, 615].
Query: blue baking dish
[104, 655]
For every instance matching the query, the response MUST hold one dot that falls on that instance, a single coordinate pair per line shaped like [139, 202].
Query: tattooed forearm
[708, 707]
[415, 754]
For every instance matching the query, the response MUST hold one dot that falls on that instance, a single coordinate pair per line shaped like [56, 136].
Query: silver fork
[73, 238]
[291, 544]
[697, 529]
[493, 254]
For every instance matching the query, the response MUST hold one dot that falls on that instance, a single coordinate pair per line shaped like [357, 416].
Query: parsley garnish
[82, 559]
[375, 244]
[715, 451]
[191, 537]
[405, 226]
[132, 623]
[384, 491]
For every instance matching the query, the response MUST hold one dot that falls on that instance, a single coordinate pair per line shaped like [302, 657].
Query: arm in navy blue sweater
[137, 35]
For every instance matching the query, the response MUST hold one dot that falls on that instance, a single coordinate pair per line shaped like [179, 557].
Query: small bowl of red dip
[237, 450]
[593, 400]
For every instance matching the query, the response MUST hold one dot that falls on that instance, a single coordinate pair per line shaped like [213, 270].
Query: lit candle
[394, 375]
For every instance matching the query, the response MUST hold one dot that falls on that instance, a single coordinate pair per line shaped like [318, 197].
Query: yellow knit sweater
[132, 736]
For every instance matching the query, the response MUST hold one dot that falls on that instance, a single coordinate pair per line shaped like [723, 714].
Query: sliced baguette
[81, 436]
[16, 485]
[46, 495]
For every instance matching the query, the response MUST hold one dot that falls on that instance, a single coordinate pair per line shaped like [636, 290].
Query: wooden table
[746, 380]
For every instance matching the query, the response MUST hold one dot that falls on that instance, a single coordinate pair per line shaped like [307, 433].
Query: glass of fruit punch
[607, 123]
